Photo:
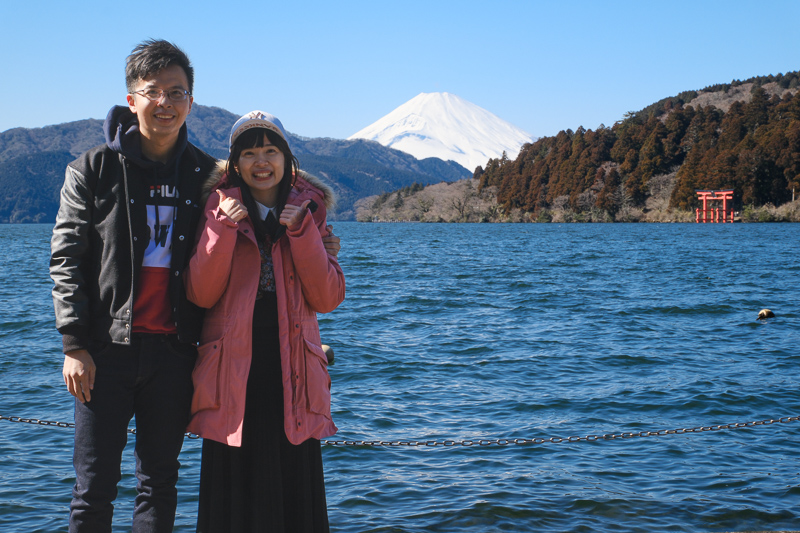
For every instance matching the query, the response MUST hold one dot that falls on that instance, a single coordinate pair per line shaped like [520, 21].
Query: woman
[262, 389]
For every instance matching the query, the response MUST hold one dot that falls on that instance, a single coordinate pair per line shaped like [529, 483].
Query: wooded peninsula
[744, 136]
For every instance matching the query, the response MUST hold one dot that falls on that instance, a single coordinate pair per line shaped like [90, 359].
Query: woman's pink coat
[223, 276]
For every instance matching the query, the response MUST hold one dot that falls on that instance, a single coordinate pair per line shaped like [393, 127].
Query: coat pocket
[207, 376]
[318, 381]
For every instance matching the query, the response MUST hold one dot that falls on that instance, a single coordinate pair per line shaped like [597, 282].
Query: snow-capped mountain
[448, 127]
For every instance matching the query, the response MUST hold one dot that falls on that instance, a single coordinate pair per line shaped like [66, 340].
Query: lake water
[467, 332]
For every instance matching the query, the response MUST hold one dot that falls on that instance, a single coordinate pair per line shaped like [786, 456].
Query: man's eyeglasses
[176, 95]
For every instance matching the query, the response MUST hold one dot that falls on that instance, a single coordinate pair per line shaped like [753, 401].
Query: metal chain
[559, 440]
[484, 442]
[39, 422]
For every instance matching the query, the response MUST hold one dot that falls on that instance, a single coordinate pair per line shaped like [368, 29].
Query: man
[123, 235]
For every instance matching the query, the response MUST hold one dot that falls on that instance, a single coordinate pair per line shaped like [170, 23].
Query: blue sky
[328, 69]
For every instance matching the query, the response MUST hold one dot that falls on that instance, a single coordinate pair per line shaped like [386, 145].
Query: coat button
[180, 238]
[126, 339]
[188, 202]
[197, 169]
[131, 200]
[177, 273]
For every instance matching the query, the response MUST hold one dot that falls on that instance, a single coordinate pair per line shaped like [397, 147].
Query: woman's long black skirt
[269, 484]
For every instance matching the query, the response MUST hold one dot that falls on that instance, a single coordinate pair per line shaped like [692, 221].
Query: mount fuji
[448, 127]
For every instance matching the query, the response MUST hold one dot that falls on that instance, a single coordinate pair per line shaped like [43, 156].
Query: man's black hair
[151, 57]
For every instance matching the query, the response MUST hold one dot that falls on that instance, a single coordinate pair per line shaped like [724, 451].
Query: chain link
[483, 442]
[38, 422]
[560, 440]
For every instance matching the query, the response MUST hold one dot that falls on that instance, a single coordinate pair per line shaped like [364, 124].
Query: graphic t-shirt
[152, 312]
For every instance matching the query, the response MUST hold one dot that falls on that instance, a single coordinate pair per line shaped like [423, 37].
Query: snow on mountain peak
[448, 127]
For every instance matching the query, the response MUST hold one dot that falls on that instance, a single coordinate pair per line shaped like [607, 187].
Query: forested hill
[742, 135]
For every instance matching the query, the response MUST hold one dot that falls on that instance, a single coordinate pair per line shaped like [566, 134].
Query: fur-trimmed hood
[218, 179]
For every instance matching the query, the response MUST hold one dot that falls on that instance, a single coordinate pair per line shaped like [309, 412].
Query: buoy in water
[328, 353]
[765, 313]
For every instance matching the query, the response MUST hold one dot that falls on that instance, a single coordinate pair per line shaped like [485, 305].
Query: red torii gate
[712, 215]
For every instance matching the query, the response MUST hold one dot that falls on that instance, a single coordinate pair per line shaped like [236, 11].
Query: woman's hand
[233, 208]
[292, 216]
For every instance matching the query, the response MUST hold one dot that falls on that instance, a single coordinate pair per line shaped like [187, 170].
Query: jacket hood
[218, 179]
[121, 129]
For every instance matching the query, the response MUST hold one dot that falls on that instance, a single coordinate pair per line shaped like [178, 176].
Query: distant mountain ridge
[32, 163]
[448, 127]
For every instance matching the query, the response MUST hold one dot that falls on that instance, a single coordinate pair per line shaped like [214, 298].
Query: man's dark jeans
[152, 380]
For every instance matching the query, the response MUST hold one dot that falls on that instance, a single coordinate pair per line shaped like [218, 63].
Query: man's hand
[79, 371]
[331, 243]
